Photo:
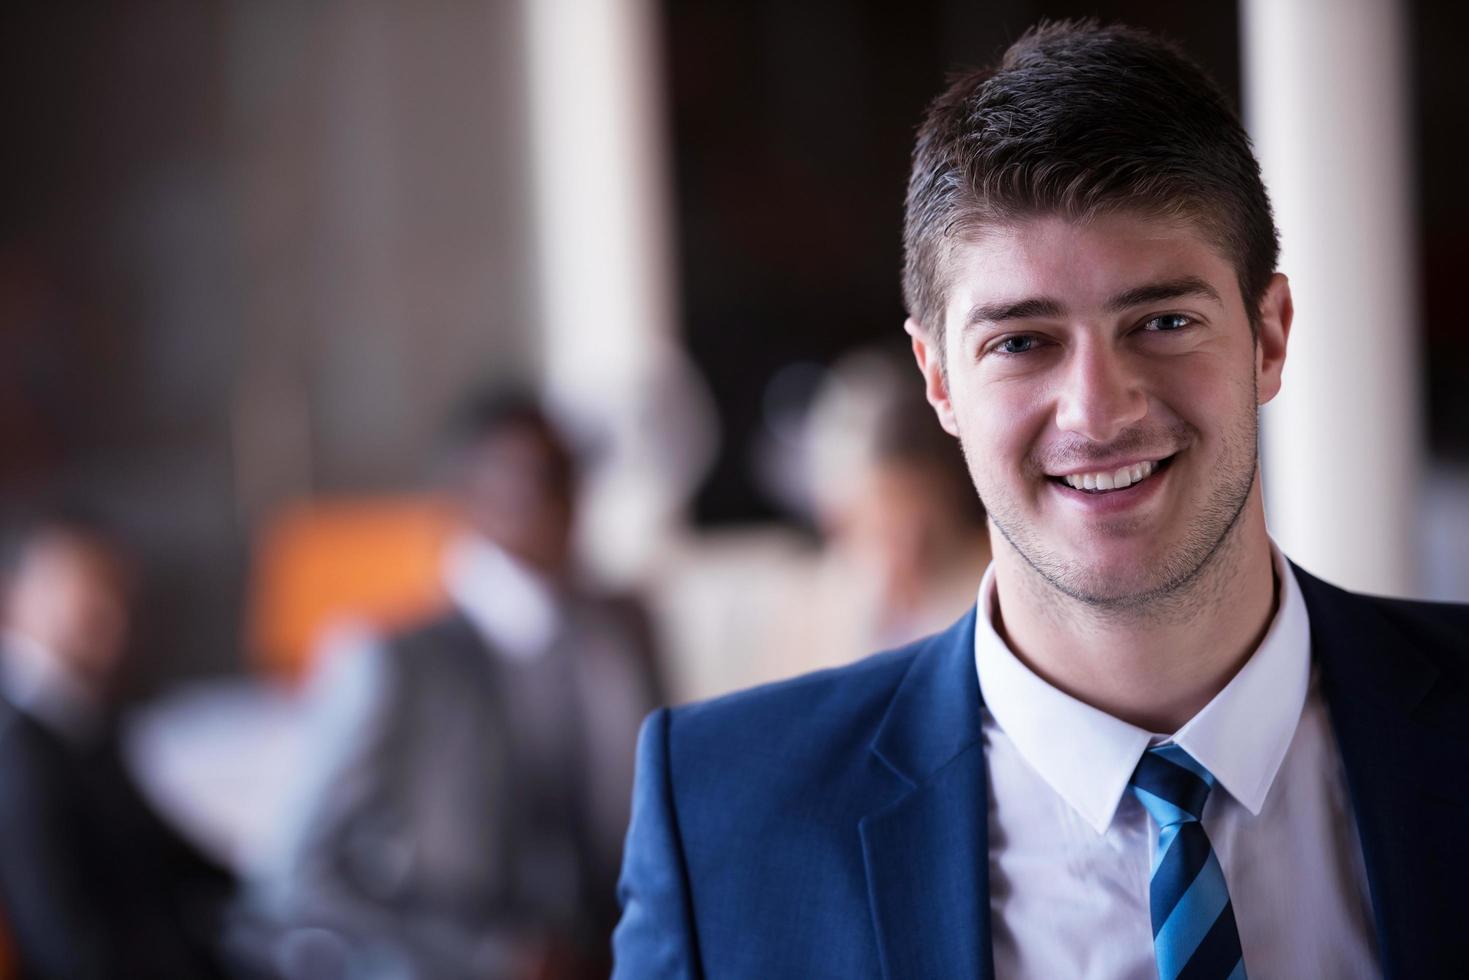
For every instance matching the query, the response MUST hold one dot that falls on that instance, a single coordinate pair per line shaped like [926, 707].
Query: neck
[1154, 665]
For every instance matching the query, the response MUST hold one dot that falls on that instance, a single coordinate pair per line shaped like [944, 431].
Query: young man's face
[1118, 348]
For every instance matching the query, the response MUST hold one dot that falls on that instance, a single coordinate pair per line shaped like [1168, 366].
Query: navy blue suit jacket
[834, 826]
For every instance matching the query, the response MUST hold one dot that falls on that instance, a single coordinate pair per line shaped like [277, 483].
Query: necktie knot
[1171, 786]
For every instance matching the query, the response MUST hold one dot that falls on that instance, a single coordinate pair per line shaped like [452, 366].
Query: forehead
[1079, 264]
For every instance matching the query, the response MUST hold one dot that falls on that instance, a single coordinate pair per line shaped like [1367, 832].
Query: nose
[1100, 395]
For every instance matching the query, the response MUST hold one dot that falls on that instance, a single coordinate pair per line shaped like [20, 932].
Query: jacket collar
[1400, 729]
[1349, 634]
[927, 852]
[934, 715]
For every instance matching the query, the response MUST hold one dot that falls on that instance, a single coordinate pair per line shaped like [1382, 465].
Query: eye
[1168, 322]
[1018, 344]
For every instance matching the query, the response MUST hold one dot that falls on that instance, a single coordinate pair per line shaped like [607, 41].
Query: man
[1155, 748]
[92, 882]
[465, 815]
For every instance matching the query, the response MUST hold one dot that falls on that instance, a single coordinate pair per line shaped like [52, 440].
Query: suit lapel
[927, 853]
[1400, 731]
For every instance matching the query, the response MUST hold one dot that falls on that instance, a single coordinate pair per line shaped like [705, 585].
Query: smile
[1106, 481]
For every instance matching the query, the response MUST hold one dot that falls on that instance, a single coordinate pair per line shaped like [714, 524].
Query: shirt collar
[512, 607]
[1242, 735]
[1087, 756]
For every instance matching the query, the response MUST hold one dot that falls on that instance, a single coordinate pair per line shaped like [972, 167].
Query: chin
[1112, 573]
[1116, 590]
[1132, 580]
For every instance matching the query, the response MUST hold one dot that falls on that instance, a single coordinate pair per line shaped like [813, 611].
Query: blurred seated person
[904, 537]
[93, 884]
[467, 813]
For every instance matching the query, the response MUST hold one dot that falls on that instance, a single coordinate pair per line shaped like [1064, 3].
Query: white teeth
[1114, 480]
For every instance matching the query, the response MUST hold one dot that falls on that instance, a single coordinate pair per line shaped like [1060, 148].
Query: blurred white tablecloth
[219, 759]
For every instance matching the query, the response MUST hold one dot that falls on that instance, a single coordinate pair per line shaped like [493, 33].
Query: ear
[931, 365]
[1276, 313]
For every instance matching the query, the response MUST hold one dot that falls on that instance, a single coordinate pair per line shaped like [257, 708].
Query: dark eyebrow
[1039, 307]
[1157, 292]
[1024, 309]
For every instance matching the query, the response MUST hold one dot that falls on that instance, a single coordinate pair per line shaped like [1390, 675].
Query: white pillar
[1326, 102]
[603, 220]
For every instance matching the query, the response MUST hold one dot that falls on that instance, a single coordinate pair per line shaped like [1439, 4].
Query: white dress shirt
[1071, 849]
[515, 610]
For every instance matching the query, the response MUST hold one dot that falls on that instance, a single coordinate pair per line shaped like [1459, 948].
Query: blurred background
[254, 256]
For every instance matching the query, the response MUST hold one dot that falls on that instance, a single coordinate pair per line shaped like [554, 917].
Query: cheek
[1208, 393]
[999, 424]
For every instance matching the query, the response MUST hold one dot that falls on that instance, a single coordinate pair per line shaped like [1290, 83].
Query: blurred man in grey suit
[466, 815]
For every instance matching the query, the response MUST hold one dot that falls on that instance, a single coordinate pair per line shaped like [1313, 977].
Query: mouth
[1104, 482]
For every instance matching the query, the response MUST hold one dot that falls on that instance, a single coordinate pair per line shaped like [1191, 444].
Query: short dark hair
[1080, 120]
[488, 411]
[494, 410]
[24, 524]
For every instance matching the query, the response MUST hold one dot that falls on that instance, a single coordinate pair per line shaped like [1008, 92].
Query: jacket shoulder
[766, 760]
[1437, 630]
[1448, 621]
[851, 698]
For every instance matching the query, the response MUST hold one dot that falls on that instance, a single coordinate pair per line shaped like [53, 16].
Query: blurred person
[93, 883]
[1154, 746]
[904, 539]
[466, 813]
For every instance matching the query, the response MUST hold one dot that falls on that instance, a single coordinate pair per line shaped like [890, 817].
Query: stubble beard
[1173, 583]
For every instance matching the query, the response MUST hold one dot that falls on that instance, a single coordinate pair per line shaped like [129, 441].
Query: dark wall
[792, 124]
[116, 297]
[249, 253]
[1438, 32]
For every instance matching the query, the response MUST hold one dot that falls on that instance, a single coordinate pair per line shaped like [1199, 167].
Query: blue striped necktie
[1194, 935]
